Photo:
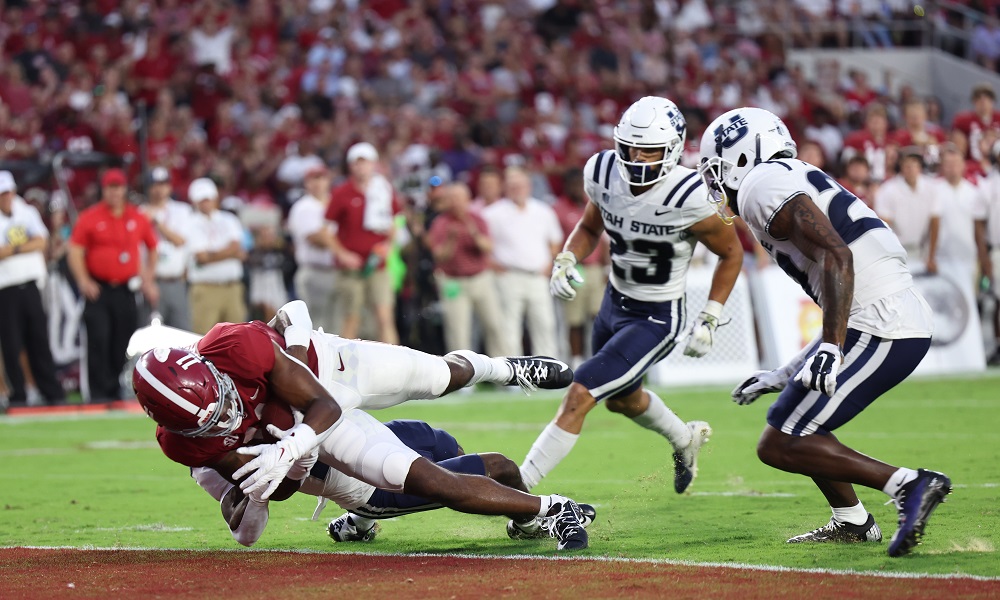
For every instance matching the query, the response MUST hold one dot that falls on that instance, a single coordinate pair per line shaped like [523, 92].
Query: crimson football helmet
[186, 394]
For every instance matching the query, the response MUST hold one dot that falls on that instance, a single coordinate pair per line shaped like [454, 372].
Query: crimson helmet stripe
[168, 393]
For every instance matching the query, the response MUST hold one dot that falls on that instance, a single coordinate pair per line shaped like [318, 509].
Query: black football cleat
[534, 372]
[842, 533]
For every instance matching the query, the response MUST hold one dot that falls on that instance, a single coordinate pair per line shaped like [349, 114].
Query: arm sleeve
[765, 191]
[589, 183]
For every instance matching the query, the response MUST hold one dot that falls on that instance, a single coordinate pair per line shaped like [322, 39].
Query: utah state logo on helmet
[186, 394]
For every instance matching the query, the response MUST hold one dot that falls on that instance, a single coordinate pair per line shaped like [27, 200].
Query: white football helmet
[651, 123]
[736, 142]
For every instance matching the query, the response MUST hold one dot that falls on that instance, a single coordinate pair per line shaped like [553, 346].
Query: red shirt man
[969, 128]
[110, 234]
[103, 256]
[871, 141]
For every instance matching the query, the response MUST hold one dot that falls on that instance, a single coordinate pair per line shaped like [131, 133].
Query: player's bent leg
[482, 495]
[558, 438]
[821, 456]
[647, 410]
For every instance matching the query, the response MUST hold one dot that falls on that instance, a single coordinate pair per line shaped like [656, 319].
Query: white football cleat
[686, 460]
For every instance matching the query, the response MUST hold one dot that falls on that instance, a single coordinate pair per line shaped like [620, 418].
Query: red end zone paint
[38, 573]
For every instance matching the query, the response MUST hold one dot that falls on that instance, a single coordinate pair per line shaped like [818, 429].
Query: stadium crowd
[340, 132]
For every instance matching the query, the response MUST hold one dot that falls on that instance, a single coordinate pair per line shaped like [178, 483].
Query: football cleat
[533, 372]
[543, 527]
[915, 503]
[686, 460]
[842, 533]
[343, 529]
[567, 525]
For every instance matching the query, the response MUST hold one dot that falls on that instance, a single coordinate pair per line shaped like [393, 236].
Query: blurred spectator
[215, 266]
[584, 308]
[266, 264]
[363, 208]
[526, 237]
[461, 245]
[171, 221]
[916, 131]
[871, 141]
[990, 188]
[907, 202]
[23, 322]
[489, 188]
[311, 236]
[985, 43]
[958, 231]
[812, 153]
[971, 130]
[857, 180]
[104, 258]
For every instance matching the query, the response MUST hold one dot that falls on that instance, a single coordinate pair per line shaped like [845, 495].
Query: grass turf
[101, 481]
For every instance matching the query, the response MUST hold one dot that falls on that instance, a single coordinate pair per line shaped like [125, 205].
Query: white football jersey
[879, 259]
[650, 243]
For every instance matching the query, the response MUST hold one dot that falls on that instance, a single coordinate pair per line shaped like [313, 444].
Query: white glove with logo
[758, 384]
[565, 276]
[300, 468]
[820, 370]
[703, 330]
[274, 461]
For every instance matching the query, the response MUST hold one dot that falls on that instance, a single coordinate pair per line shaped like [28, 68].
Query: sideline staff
[104, 257]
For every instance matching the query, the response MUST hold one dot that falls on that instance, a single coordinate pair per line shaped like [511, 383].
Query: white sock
[855, 515]
[552, 445]
[663, 421]
[897, 480]
[486, 368]
[361, 523]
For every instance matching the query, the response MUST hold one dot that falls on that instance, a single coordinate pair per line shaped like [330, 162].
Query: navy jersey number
[840, 205]
[659, 253]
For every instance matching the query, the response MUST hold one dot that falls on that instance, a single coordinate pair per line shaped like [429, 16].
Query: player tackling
[876, 327]
[654, 212]
[209, 400]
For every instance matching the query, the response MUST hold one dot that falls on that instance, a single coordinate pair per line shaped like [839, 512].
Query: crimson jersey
[973, 127]
[864, 143]
[245, 353]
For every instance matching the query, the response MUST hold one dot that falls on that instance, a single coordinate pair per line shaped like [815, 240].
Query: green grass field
[101, 481]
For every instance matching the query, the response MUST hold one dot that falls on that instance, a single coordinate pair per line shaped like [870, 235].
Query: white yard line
[611, 559]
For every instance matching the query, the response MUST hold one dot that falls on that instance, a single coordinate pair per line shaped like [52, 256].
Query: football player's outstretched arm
[811, 232]
[587, 233]
[293, 382]
[581, 242]
[722, 241]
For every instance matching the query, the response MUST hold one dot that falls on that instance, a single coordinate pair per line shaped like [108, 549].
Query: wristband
[714, 309]
[566, 256]
[296, 335]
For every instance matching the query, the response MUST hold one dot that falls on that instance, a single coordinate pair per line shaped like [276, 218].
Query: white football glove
[820, 370]
[297, 322]
[274, 461]
[300, 468]
[565, 276]
[703, 330]
[758, 384]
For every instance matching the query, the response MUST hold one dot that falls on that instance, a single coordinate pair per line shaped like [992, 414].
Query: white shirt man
[526, 235]
[907, 202]
[215, 270]
[171, 220]
[958, 229]
[23, 323]
[314, 279]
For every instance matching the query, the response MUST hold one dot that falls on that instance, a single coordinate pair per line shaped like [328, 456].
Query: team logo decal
[726, 137]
